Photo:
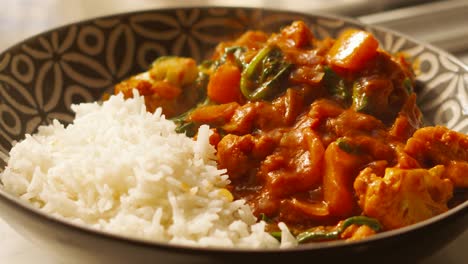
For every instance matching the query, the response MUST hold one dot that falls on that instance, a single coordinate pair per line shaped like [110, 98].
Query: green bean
[362, 220]
[315, 235]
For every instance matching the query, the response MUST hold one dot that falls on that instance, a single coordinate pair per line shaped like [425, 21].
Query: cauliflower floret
[355, 232]
[403, 196]
[438, 145]
[167, 84]
[456, 172]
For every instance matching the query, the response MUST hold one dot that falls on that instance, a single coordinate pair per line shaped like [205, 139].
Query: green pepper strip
[323, 235]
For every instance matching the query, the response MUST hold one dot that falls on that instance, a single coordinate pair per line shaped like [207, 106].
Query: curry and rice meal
[278, 139]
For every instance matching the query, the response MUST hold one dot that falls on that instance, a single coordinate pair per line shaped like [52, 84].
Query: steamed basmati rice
[124, 170]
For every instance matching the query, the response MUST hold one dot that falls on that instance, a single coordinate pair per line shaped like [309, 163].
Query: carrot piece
[353, 49]
[223, 86]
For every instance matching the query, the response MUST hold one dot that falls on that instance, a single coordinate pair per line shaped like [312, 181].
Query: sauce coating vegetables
[323, 135]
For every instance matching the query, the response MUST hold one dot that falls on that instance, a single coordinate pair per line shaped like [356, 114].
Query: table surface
[22, 18]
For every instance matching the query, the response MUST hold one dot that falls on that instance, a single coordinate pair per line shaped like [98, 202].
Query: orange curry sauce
[315, 131]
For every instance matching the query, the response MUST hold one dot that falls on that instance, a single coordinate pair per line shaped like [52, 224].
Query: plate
[42, 76]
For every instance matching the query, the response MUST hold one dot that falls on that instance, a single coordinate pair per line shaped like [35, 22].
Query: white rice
[121, 169]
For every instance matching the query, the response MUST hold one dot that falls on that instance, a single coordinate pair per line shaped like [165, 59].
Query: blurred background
[443, 23]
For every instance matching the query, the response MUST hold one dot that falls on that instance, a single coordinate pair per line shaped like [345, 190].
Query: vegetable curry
[323, 135]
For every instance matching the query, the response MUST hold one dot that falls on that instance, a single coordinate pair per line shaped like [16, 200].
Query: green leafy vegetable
[190, 128]
[237, 52]
[314, 235]
[201, 83]
[260, 78]
[360, 98]
[336, 85]
[362, 220]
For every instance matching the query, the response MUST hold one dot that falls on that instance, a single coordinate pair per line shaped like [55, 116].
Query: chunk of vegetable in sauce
[323, 135]
[174, 70]
[224, 84]
[260, 78]
[353, 49]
